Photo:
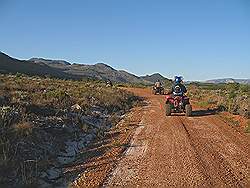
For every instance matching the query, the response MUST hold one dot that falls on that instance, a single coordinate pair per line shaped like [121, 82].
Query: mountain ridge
[154, 77]
[67, 70]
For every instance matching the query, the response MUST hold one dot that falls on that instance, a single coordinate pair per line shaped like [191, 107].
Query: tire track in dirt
[200, 151]
[226, 169]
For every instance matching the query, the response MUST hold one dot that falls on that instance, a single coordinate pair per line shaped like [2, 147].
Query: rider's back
[179, 89]
[157, 84]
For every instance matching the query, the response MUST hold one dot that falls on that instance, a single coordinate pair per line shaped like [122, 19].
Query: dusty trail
[179, 151]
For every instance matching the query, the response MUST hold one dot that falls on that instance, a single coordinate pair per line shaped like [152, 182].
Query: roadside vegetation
[42, 118]
[231, 97]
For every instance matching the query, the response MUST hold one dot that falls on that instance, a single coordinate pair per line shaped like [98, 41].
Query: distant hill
[229, 80]
[52, 63]
[154, 77]
[243, 81]
[12, 65]
[99, 71]
[64, 69]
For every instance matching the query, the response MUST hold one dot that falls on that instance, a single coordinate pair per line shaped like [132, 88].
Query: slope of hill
[132, 78]
[154, 77]
[98, 71]
[12, 65]
[48, 61]
[243, 81]
[60, 64]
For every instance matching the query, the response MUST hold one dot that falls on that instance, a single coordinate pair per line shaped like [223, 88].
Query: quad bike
[178, 104]
[158, 90]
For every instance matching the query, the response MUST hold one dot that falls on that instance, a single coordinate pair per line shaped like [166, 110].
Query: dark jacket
[183, 88]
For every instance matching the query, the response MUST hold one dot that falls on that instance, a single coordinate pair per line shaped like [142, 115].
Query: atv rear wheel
[188, 109]
[168, 109]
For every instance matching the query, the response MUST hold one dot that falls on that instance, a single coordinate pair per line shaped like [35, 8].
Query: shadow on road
[203, 112]
[198, 113]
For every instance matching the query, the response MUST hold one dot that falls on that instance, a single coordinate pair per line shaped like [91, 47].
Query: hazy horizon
[200, 40]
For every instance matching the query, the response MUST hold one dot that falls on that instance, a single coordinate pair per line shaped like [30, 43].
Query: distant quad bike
[158, 90]
[178, 104]
[109, 83]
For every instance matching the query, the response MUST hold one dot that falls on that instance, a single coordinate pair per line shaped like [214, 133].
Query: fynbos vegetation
[231, 97]
[45, 122]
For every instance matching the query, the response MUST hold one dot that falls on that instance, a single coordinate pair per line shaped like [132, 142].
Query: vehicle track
[179, 151]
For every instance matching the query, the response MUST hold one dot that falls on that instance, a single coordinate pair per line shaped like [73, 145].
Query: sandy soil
[178, 151]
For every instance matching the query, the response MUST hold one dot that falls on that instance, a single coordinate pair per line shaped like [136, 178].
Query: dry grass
[233, 98]
[25, 102]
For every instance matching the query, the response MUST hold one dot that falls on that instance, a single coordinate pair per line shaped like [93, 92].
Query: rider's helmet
[178, 79]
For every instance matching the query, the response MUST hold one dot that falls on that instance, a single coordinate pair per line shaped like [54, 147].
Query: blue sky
[199, 39]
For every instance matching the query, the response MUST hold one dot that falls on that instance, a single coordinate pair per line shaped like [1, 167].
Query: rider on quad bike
[158, 88]
[158, 83]
[178, 89]
[176, 100]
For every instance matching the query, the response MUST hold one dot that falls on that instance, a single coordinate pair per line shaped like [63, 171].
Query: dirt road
[179, 151]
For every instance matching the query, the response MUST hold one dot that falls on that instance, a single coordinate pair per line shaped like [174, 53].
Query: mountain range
[66, 70]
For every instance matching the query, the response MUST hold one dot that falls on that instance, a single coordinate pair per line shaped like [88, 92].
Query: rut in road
[200, 151]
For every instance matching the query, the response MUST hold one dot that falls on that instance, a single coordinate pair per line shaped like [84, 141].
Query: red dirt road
[179, 151]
